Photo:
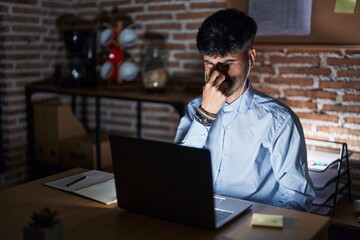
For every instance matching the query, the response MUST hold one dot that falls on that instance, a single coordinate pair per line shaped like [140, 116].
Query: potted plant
[44, 226]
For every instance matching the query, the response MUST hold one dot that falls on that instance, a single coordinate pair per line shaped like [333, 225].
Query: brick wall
[320, 83]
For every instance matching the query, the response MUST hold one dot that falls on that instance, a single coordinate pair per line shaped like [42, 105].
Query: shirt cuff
[197, 135]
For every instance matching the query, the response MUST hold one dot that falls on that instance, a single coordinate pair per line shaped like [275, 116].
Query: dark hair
[226, 31]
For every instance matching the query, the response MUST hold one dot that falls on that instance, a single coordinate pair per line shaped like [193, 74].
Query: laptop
[170, 182]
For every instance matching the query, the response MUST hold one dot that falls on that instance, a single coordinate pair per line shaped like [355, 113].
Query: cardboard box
[53, 122]
[81, 152]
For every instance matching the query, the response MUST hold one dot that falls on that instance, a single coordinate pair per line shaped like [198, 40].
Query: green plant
[44, 218]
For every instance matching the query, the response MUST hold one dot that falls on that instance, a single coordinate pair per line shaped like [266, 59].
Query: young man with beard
[257, 144]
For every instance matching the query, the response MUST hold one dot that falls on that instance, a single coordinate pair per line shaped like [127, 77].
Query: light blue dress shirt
[257, 148]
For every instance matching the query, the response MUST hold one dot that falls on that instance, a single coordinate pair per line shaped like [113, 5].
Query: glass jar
[154, 74]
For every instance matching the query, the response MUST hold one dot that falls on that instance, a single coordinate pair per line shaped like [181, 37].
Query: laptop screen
[163, 180]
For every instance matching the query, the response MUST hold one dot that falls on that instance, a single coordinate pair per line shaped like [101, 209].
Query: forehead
[229, 57]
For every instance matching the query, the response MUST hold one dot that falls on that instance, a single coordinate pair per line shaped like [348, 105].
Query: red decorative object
[115, 55]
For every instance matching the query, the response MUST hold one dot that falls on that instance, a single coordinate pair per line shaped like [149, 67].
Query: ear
[252, 55]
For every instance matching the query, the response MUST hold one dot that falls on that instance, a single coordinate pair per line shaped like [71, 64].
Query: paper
[345, 6]
[267, 220]
[319, 161]
[281, 17]
[96, 185]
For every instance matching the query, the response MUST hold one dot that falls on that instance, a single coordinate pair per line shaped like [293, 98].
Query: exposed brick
[351, 97]
[29, 46]
[184, 36]
[352, 51]
[339, 130]
[21, 19]
[193, 66]
[319, 117]
[120, 123]
[315, 137]
[339, 84]
[259, 59]
[7, 66]
[193, 15]
[167, 7]
[355, 155]
[341, 108]
[348, 73]
[81, 5]
[30, 2]
[310, 93]
[32, 29]
[299, 104]
[193, 25]
[4, 29]
[162, 26]
[269, 91]
[21, 56]
[188, 75]
[254, 79]
[305, 70]
[352, 120]
[163, 119]
[290, 81]
[29, 10]
[313, 49]
[3, 9]
[14, 93]
[289, 60]
[21, 38]
[146, 17]
[154, 36]
[188, 56]
[174, 46]
[148, 1]
[343, 61]
[351, 143]
[29, 74]
[31, 65]
[263, 69]
[306, 126]
[57, 5]
[204, 5]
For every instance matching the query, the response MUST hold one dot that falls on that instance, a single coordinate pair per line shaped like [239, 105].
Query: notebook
[94, 184]
[170, 182]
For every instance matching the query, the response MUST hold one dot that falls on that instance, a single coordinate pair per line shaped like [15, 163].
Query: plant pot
[51, 233]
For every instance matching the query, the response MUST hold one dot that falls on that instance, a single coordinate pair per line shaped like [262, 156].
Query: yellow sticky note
[267, 220]
[345, 6]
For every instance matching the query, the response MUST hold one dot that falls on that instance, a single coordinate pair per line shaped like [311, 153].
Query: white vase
[51, 233]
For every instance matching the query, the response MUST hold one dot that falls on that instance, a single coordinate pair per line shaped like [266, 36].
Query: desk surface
[92, 220]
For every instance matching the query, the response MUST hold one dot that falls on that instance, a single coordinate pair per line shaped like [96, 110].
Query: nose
[221, 68]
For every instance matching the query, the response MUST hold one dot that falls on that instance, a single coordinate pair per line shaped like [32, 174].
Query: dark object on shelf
[80, 67]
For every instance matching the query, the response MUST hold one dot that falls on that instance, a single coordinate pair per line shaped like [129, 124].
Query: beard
[231, 85]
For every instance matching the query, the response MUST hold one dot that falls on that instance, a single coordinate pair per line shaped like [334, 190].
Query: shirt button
[203, 135]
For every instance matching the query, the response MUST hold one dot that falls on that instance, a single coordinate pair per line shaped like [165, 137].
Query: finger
[213, 75]
[219, 80]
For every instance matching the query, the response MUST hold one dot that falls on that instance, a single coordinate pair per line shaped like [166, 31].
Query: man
[257, 144]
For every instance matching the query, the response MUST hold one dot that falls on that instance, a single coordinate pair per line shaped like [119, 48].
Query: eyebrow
[227, 61]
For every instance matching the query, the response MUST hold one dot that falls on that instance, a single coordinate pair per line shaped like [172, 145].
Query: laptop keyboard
[220, 215]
